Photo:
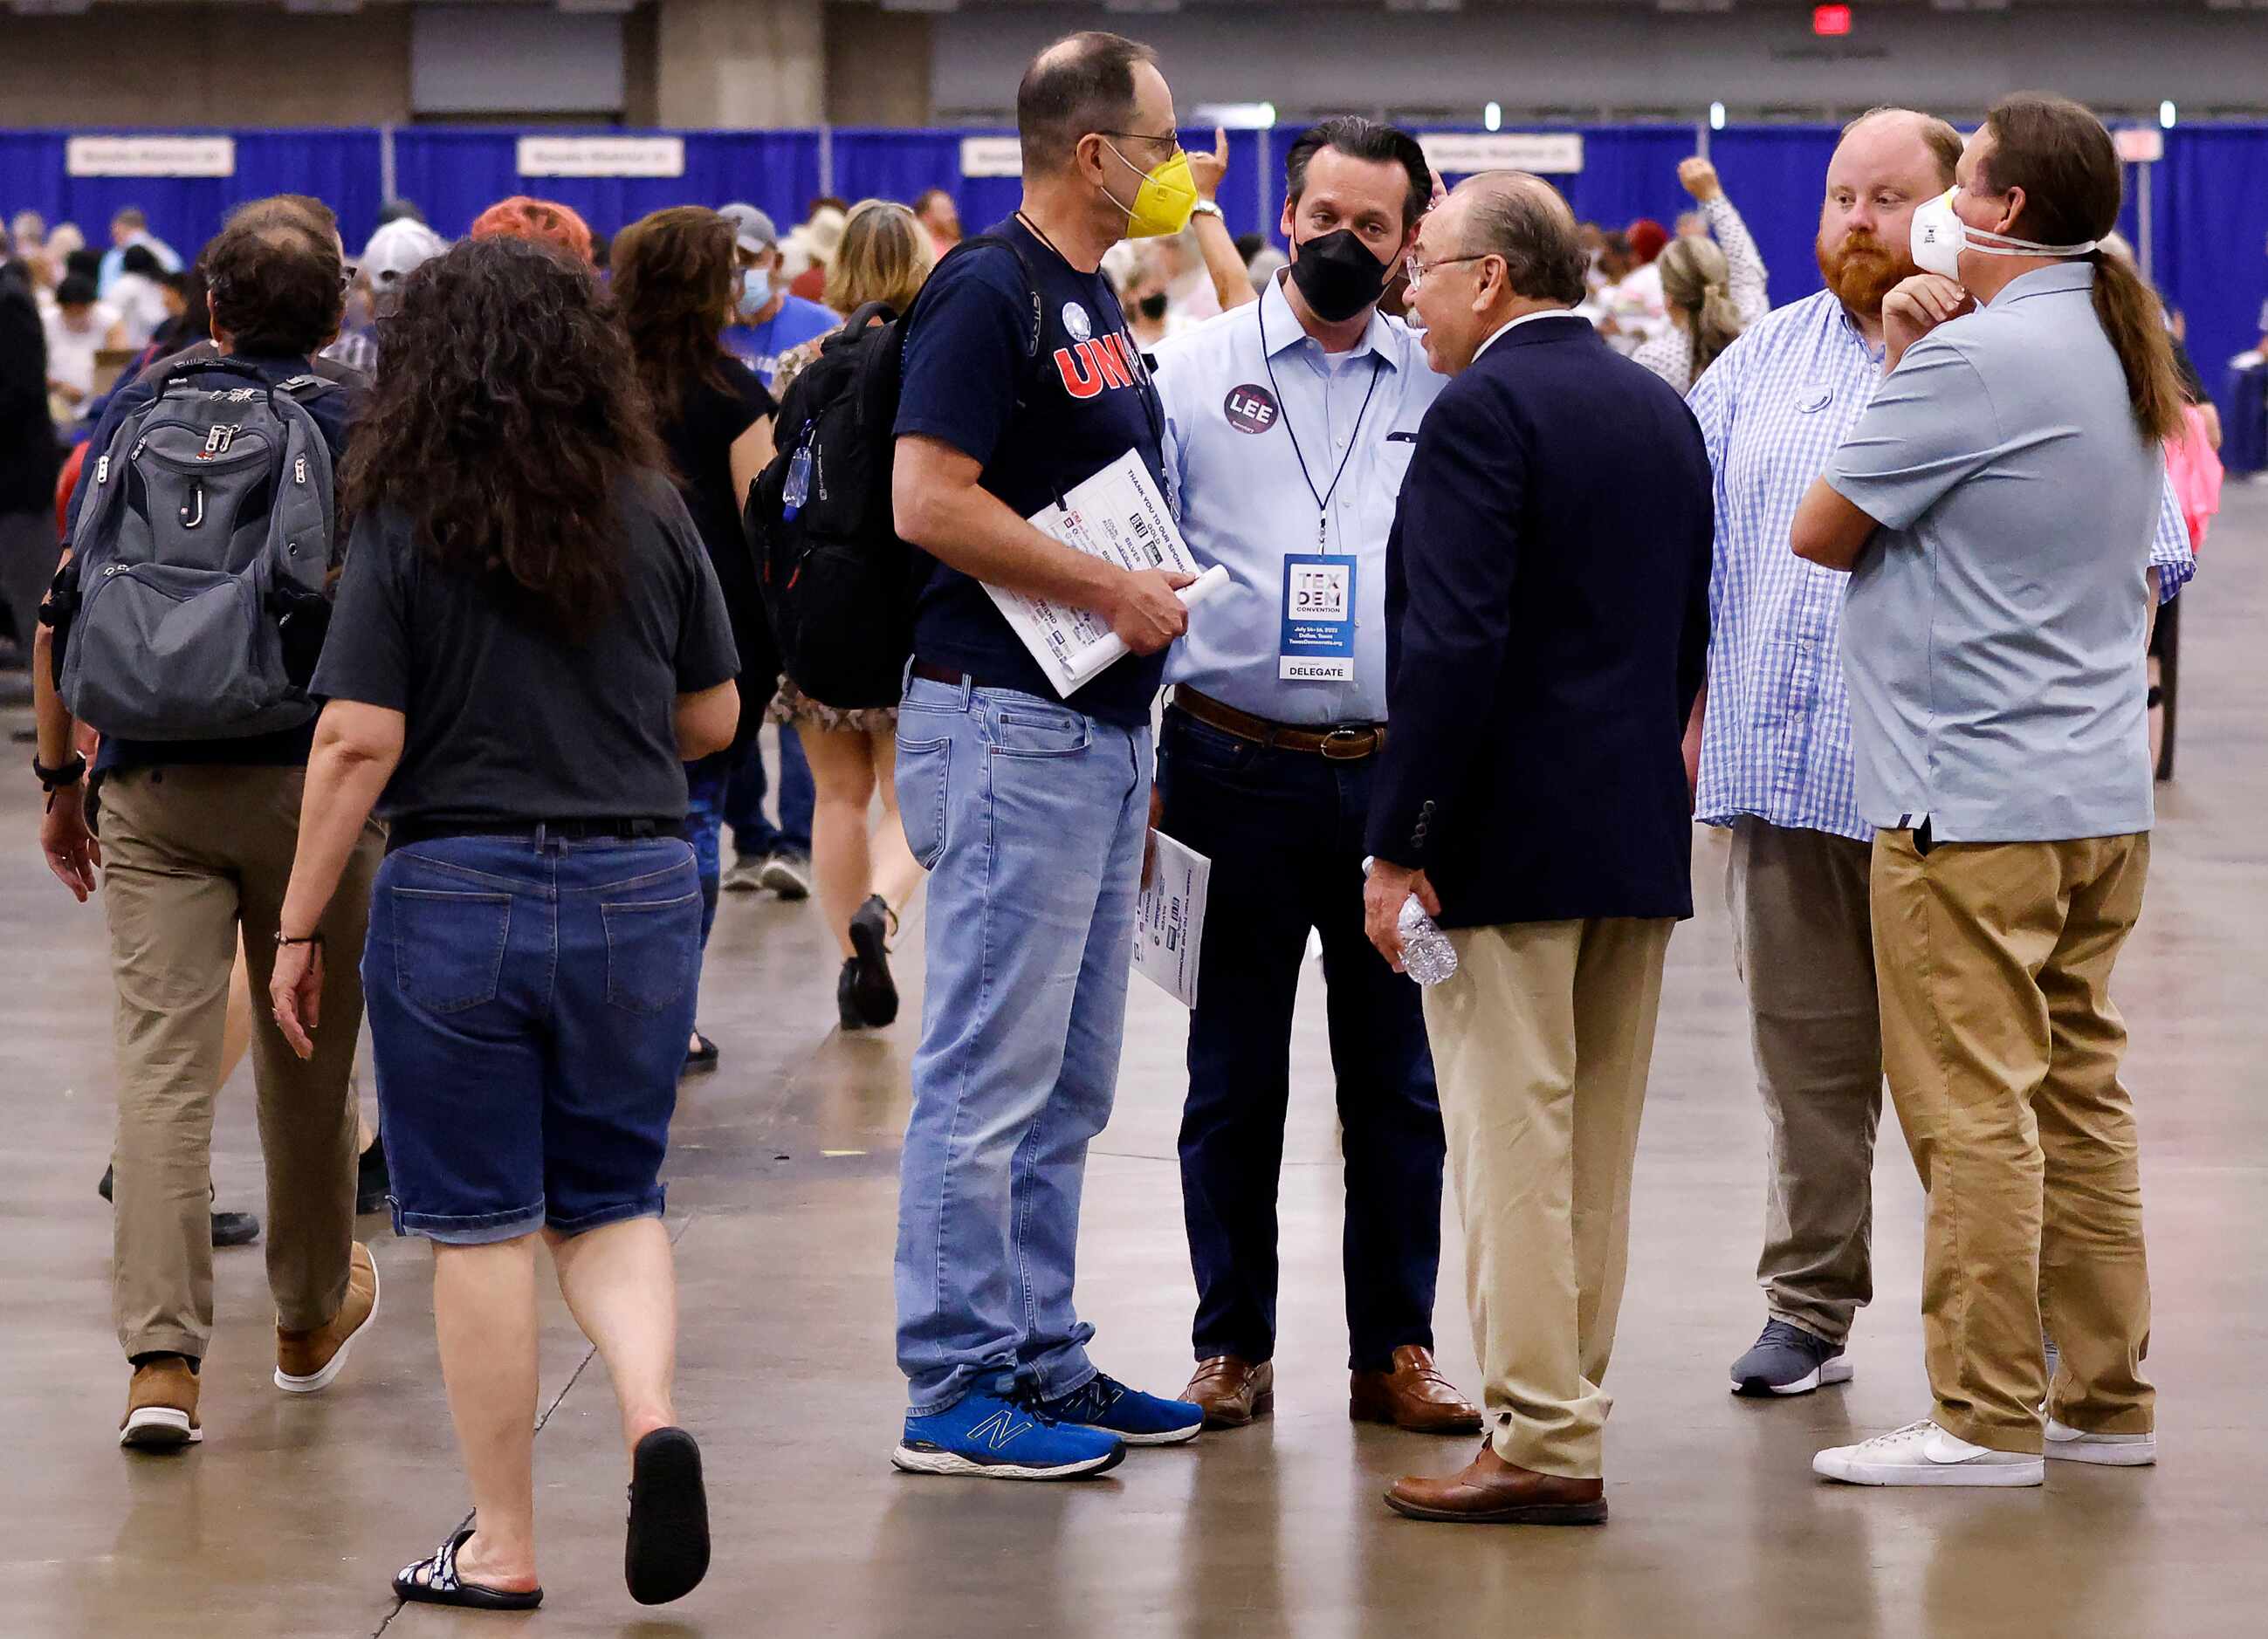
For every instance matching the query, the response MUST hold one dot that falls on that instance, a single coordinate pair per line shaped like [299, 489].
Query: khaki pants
[1541, 1045]
[2003, 1048]
[188, 853]
[1803, 942]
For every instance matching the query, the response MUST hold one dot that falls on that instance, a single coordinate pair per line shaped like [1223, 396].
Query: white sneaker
[1922, 1453]
[2111, 1451]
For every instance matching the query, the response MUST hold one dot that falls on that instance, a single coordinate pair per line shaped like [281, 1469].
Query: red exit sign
[1830, 22]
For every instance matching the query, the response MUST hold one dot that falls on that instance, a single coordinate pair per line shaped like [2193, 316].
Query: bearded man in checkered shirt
[1774, 745]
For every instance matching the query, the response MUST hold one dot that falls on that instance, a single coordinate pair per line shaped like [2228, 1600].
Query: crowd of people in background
[528, 458]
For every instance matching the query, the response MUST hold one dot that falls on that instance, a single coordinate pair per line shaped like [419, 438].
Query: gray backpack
[200, 559]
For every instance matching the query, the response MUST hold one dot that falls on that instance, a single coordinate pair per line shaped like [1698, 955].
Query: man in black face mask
[1289, 425]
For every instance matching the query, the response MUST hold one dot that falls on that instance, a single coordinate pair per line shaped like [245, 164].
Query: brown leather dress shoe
[1493, 1492]
[1233, 1391]
[1413, 1396]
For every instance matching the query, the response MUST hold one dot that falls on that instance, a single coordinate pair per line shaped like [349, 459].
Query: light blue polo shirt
[1994, 633]
[1234, 408]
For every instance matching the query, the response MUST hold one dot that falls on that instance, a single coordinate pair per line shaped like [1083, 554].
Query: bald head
[1909, 135]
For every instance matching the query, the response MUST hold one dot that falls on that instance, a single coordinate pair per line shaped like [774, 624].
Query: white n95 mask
[1939, 235]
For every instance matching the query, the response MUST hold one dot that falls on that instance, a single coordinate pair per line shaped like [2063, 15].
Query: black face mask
[1338, 274]
[1151, 307]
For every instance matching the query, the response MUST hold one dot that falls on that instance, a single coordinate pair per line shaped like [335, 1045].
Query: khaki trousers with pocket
[1542, 1042]
[1803, 942]
[190, 854]
[2003, 1047]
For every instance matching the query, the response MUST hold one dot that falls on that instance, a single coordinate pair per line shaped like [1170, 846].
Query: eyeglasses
[1419, 269]
[1171, 141]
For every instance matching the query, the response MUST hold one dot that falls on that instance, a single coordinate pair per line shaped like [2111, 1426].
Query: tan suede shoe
[161, 1407]
[308, 1361]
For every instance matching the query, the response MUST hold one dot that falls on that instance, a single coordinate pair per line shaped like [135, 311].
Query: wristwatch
[1207, 208]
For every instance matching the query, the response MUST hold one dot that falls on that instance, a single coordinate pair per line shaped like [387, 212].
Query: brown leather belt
[1349, 742]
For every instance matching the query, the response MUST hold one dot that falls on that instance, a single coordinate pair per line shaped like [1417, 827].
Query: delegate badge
[1318, 645]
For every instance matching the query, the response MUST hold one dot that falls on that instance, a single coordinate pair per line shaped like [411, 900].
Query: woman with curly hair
[676, 283]
[865, 875]
[529, 644]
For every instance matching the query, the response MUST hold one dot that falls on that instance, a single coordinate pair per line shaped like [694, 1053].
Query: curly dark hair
[506, 418]
[675, 281]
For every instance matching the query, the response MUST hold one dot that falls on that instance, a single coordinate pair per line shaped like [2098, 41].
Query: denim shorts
[529, 1005]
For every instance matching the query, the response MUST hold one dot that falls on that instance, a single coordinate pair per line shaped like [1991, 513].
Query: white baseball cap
[397, 250]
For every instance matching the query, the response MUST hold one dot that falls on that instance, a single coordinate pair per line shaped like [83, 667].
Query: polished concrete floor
[293, 1515]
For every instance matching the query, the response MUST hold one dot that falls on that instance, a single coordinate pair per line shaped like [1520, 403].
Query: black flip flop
[435, 1581]
[666, 1552]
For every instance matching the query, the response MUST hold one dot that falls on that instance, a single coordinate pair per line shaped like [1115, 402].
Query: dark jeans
[754, 835]
[1285, 833]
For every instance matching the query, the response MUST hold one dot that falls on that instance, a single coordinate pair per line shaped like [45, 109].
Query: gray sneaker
[746, 877]
[1789, 1360]
[787, 875]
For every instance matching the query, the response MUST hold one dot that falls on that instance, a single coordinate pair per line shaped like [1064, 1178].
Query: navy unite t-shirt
[968, 383]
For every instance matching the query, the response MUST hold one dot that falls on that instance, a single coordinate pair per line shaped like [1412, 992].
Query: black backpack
[838, 583]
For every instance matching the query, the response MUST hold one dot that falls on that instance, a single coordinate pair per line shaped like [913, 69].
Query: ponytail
[1694, 278]
[2132, 317]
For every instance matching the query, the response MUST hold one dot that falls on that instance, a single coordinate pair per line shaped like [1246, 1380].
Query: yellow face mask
[1165, 201]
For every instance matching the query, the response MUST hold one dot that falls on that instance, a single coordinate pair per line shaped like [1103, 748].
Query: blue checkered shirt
[1776, 737]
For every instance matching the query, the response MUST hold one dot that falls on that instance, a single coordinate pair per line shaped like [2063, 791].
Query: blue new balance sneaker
[1108, 1406]
[999, 1439]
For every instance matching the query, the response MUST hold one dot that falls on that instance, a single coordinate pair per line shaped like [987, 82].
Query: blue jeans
[706, 786]
[1284, 830]
[754, 835]
[529, 1002]
[1030, 818]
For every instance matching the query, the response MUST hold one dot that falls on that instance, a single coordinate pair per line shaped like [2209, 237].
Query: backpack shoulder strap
[1034, 316]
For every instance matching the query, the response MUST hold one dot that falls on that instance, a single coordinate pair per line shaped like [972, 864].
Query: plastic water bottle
[1427, 956]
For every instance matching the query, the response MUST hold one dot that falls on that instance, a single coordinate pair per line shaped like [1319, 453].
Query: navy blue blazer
[1547, 616]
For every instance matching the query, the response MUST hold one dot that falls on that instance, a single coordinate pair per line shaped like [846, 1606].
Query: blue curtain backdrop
[1776, 177]
[341, 167]
[455, 173]
[876, 164]
[1629, 172]
[2210, 194]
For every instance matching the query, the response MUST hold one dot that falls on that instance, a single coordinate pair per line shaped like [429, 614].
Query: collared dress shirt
[1232, 413]
[1775, 740]
[1994, 635]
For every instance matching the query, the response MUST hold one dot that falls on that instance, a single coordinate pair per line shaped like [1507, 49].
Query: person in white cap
[771, 321]
[397, 249]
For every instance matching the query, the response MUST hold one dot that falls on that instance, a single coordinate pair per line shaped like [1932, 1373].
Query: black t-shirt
[511, 723]
[700, 438]
[968, 382]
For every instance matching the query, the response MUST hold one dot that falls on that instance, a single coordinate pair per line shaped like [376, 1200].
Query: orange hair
[545, 221]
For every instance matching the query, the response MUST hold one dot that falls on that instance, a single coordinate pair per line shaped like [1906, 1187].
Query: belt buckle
[1346, 745]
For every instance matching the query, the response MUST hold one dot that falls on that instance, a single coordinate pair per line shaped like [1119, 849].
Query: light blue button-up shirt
[1243, 504]
[1992, 638]
[1775, 740]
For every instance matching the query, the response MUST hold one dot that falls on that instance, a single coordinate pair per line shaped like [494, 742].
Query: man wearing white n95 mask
[1774, 754]
[1996, 502]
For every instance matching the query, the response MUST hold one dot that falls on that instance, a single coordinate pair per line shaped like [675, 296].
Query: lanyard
[1284, 409]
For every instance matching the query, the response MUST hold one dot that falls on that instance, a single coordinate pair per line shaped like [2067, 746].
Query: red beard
[1862, 270]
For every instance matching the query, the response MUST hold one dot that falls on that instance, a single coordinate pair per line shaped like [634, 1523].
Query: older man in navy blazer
[1548, 625]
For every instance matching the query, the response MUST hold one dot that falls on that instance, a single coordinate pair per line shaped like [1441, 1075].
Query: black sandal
[434, 1581]
[665, 1553]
